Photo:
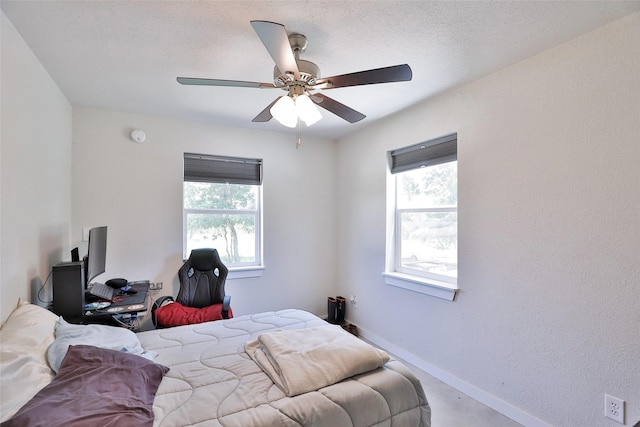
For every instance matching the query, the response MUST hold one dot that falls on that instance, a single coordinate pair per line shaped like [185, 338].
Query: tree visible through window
[223, 215]
[427, 220]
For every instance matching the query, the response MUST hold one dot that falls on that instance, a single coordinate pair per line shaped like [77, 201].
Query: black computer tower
[68, 290]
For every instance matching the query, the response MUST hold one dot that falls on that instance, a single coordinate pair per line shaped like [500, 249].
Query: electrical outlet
[155, 286]
[614, 408]
[353, 301]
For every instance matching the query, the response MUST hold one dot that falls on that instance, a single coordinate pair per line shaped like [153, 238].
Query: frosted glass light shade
[307, 110]
[284, 111]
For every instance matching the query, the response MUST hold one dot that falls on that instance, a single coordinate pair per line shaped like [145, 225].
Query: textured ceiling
[126, 55]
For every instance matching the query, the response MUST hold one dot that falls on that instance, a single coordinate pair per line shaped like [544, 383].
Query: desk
[125, 311]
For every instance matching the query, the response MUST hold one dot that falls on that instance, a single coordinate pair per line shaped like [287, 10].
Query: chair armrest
[226, 302]
[157, 304]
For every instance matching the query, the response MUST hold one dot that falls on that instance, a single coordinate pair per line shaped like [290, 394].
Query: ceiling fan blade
[265, 115]
[395, 73]
[275, 39]
[340, 110]
[216, 82]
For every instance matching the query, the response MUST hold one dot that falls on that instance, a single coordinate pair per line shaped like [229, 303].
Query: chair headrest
[204, 259]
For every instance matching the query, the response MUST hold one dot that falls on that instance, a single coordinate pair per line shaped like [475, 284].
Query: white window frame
[398, 243]
[235, 271]
[439, 286]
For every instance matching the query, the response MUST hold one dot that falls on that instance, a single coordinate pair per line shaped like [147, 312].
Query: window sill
[245, 272]
[434, 288]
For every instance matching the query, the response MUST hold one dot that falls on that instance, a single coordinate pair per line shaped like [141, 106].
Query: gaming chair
[202, 279]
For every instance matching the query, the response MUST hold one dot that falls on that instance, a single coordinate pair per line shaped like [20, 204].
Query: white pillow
[111, 337]
[25, 337]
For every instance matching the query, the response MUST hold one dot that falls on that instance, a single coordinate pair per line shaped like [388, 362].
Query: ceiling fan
[299, 78]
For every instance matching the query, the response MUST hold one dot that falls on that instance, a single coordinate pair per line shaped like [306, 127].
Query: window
[222, 208]
[422, 247]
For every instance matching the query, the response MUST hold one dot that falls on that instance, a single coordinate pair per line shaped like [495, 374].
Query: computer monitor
[96, 258]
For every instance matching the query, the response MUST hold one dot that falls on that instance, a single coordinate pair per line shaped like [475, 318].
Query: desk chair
[201, 297]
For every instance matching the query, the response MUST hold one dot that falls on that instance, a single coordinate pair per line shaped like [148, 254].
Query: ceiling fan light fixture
[284, 111]
[301, 77]
[307, 110]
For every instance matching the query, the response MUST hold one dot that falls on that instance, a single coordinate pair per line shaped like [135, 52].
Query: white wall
[136, 190]
[548, 315]
[35, 173]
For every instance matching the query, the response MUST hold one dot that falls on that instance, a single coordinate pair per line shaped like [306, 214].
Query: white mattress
[213, 382]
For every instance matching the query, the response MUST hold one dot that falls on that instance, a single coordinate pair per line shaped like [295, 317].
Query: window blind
[435, 151]
[220, 169]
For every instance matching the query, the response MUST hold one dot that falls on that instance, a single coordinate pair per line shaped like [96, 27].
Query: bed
[196, 375]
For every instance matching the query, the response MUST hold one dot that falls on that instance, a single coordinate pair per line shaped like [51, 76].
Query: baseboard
[470, 390]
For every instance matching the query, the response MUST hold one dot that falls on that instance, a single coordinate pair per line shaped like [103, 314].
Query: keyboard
[102, 291]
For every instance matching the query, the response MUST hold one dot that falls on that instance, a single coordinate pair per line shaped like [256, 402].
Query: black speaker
[68, 290]
[75, 255]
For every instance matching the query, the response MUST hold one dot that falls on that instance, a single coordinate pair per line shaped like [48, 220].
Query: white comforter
[213, 382]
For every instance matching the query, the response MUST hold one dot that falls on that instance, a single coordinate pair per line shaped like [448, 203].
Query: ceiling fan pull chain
[298, 141]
